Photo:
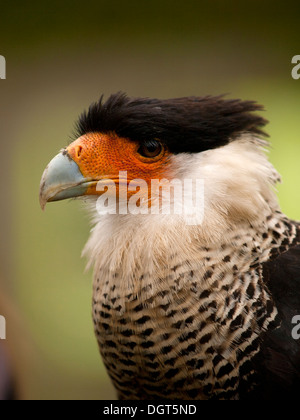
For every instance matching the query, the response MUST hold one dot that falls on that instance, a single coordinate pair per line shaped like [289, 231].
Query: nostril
[78, 151]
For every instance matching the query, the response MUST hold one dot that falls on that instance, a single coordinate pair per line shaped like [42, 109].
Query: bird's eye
[150, 148]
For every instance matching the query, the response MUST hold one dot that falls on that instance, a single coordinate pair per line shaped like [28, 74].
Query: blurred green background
[61, 57]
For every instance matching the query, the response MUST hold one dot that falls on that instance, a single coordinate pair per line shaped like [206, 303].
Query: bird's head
[133, 141]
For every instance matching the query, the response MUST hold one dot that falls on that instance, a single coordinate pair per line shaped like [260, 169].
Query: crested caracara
[194, 296]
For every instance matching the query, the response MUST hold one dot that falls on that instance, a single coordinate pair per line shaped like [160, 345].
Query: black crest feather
[189, 124]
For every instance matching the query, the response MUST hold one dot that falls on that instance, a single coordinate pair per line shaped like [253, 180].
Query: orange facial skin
[103, 156]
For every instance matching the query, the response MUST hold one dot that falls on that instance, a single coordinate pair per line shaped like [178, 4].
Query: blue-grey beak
[62, 179]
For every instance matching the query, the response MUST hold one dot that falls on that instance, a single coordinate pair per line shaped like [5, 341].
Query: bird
[187, 304]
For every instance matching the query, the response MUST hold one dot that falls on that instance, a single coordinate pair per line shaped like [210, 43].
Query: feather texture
[204, 122]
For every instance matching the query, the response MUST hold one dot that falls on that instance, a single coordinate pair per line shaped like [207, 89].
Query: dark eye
[150, 148]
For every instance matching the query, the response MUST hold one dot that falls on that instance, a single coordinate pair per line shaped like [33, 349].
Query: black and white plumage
[181, 311]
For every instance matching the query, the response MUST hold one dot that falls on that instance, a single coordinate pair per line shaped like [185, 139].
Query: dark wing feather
[278, 362]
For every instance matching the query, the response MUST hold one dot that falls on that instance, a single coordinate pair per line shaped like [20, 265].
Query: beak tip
[43, 204]
[42, 198]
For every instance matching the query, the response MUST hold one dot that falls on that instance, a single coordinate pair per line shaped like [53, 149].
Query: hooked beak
[62, 179]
